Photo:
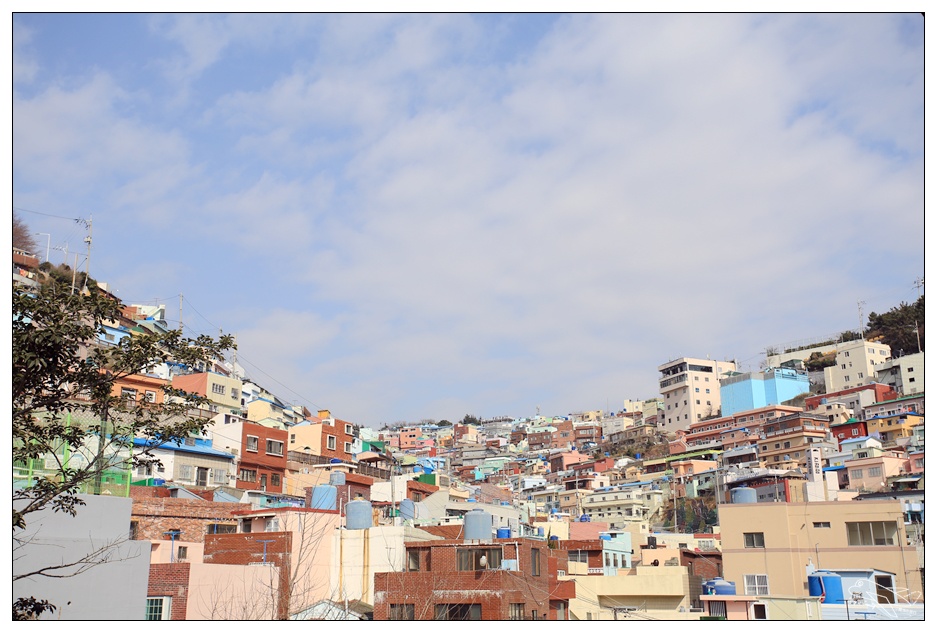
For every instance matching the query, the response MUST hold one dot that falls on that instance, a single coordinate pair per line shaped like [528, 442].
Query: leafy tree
[471, 419]
[65, 411]
[445, 423]
[897, 327]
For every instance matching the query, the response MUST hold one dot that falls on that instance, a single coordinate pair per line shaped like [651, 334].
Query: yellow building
[767, 547]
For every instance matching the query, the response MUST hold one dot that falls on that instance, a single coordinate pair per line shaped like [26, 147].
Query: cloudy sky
[422, 216]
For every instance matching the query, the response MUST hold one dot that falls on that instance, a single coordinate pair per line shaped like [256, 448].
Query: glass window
[157, 608]
[253, 443]
[755, 585]
[882, 533]
[478, 559]
[754, 540]
[274, 447]
[458, 612]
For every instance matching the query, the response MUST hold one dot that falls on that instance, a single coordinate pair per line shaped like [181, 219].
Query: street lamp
[48, 244]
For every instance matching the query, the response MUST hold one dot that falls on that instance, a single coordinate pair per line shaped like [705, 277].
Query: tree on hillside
[897, 328]
[71, 433]
[22, 236]
[471, 419]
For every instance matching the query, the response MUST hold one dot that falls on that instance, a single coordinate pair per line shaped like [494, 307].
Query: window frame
[755, 541]
[756, 584]
[255, 443]
[164, 608]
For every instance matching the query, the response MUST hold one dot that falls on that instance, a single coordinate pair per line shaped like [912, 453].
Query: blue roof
[194, 449]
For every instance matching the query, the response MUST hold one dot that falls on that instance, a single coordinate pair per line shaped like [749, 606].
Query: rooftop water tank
[503, 533]
[584, 518]
[604, 536]
[336, 478]
[718, 586]
[478, 524]
[827, 585]
[323, 497]
[540, 531]
[407, 509]
[743, 495]
[358, 515]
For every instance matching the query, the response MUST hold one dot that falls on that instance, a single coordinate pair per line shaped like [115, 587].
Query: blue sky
[410, 216]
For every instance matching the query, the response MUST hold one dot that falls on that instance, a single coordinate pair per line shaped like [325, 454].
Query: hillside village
[793, 492]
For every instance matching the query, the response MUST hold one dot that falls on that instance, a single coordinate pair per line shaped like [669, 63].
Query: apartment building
[221, 391]
[786, 440]
[904, 374]
[711, 432]
[623, 504]
[769, 551]
[856, 364]
[746, 391]
[689, 388]
[892, 428]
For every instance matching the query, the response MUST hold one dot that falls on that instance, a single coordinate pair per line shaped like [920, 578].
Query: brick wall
[170, 580]
[155, 516]
[438, 582]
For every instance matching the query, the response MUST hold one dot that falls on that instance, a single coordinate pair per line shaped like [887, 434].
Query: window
[221, 528]
[149, 396]
[248, 476]
[860, 375]
[129, 394]
[871, 533]
[292, 438]
[272, 524]
[874, 471]
[458, 612]
[274, 447]
[754, 540]
[182, 553]
[234, 393]
[253, 443]
[402, 612]
[578, 556]
[847, 379]
[275, 480]
[134, 529]
[217, 389]
[855, 432]
[412, 560]
[219, 476]
[158, 608]
[535, 562]
[821, 525]
[186, 472]
[347, 447]
[755, 585]
[349, 429]
[856, 474]
[332, 442]
[478, 559]
[515, 612]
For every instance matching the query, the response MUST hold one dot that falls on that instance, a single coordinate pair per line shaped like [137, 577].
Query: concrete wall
[112, 591]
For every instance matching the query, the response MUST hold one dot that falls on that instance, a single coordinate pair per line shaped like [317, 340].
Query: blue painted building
[747, 391]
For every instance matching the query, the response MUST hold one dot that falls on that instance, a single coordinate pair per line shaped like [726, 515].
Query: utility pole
[180, 312]
[861, 319]
[918, 284]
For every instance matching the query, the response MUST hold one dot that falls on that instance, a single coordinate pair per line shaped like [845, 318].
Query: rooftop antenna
[861, 319]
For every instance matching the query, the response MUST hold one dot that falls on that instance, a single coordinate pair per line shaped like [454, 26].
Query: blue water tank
[584, 518]
[407, 509]
[503, 533]
[718, 586]
[743, 495]
[540, 531]
[604, 536]
[358, 515]
[324, 497]
[826, 583]
[478, 524]
[554, 538]
[336, 478]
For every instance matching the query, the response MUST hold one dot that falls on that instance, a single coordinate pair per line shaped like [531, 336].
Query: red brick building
[167, 591]
[497, 580]
[155, 513]
[262, 464]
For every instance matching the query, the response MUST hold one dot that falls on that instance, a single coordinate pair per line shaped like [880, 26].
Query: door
[201, 476]
[885, 588]
[263, 482]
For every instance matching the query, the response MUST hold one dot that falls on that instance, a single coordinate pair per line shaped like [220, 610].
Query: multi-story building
[856, 364]
[747, 391]
[891, 428]
[623, 504]
[768, 548]
[903, 374]
[221, 391]
[689, 388]
[908, 404]
[711, 432]
[787, 439]
[260, 451]
[856, 399]
[323, 436]
[503, 579]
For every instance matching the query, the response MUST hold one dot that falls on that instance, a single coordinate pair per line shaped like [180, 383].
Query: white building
[689, 388]
[903, 374]
[856, 363]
